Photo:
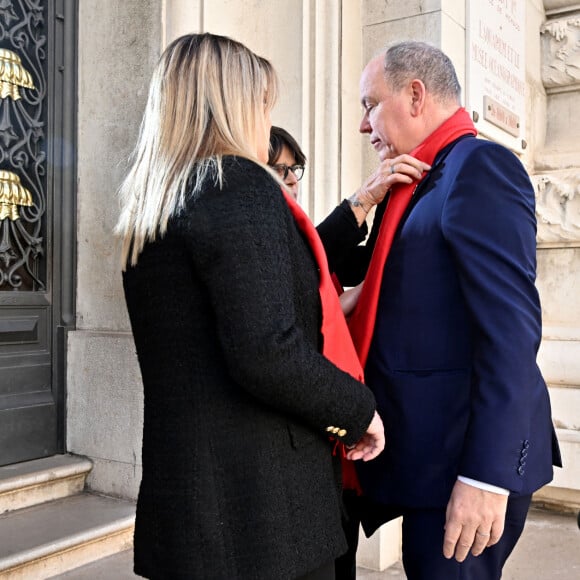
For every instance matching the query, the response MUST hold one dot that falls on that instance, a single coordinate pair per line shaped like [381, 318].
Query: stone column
[119, 44]
[557, 181]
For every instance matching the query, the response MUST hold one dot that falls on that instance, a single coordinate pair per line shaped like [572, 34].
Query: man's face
[386, 113]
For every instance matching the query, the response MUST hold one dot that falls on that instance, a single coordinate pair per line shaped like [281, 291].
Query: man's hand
[474, 521]
[371, 443]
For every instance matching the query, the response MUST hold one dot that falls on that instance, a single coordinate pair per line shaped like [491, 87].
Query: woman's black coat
[239, 480]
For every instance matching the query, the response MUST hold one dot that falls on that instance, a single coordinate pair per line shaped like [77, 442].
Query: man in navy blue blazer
[452, 360]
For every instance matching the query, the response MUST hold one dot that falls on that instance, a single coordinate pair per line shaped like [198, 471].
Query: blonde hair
[208, 97]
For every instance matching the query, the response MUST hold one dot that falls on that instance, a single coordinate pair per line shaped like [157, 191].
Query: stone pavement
[548, 550]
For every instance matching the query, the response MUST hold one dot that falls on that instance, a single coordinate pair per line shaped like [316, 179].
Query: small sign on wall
[501, 116]
[496, 70]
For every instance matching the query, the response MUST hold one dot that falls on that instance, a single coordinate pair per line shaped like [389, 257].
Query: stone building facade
[556, 175]
[319, 48]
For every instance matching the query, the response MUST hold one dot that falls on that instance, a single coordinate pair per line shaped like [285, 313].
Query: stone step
[45, 540]
[117, 567]
[42, 480]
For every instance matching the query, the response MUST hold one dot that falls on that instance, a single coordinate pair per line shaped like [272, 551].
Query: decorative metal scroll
[12, 195]
[23, 180]
[12, 75]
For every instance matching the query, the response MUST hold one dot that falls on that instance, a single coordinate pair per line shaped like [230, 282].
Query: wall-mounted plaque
[496, 70]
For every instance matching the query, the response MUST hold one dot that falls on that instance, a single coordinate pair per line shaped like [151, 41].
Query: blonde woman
[226, 300]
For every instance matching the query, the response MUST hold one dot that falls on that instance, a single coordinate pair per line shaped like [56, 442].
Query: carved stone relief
[558, 206]
[558, 192]
[561, 52]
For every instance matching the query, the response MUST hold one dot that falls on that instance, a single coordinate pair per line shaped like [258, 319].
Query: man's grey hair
[410, 59]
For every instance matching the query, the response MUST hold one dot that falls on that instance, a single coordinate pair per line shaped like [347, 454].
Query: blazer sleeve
[488, 221]
[340, 233]
[243, 257]
[348, 258]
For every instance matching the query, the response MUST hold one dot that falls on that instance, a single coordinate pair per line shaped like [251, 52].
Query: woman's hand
[349, 299]
[371, 443]
[400, 169]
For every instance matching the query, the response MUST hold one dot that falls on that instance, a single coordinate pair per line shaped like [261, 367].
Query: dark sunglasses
[282, 170]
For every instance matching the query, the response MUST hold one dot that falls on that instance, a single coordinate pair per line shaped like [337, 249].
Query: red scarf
[337, 344]
[362, 320]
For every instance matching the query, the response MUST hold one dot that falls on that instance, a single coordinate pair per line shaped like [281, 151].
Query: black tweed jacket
[239, 480]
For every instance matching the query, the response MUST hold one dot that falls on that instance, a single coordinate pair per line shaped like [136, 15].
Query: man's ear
[418, 94]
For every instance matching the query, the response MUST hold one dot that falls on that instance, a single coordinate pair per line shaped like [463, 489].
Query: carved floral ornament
[12, 195]
[558, 206]
[561, 52]
[12, 75]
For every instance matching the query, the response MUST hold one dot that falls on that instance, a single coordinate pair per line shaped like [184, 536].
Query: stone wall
[119, 44]
[557, 181]
[319, 49]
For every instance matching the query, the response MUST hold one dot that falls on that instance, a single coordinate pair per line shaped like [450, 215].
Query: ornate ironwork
[12, 195]
[23, 115]
[12, 75]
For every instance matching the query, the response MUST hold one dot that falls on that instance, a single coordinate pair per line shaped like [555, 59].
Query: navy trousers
[423, 532]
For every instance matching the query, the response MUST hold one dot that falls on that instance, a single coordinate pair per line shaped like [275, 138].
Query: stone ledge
[41, 480]
[560, 361]
[557, 160]
[565, 401]
[558, 499]
[569, 476]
